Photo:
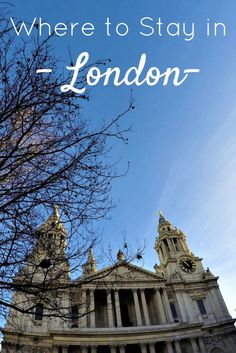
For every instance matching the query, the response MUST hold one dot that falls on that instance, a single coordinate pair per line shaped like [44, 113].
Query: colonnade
[113, 308]
[172, 346]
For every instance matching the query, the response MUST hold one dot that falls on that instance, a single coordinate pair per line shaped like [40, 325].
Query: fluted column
[215, 301]
[143, 348]
[166, 304]
[117, 307]
[178, 347]
[152, 348]
[83, 309]
[194, 344]
[169, 347]
[92, 308]
[209, 303]
[137, 307]
[64, 349]
[112, 349]
[160, 307]
[145, 308]
[110, 310]
[182, 306]
[122, 349]
[84, 349]
[93, 349]
[222, 302]
[202, 345]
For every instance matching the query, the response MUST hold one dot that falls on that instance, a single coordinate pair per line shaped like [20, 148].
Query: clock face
[187, 265]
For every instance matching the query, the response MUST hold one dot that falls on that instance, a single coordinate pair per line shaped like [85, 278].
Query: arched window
[39, 312]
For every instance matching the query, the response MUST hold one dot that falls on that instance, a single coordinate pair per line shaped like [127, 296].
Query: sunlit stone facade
[124, 308]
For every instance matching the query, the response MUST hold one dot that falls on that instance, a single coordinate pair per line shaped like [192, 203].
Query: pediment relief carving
[126, 272]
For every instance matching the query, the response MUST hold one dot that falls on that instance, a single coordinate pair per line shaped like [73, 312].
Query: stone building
[124, 308]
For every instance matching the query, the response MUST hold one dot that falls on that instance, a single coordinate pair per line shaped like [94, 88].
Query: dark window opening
[201, 307]
[74, 315]
[131, 348]
[39, 312]
[176, 244]
[101, 318]
[103, 349]
[166, 244]
[173, 311]
[126, 301]
[126, 322]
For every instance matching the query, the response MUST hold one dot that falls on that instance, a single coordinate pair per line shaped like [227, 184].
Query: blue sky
[183, 149]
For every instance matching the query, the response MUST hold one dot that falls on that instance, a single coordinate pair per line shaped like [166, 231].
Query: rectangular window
[201, 307]
[38, 312]
[173, 310]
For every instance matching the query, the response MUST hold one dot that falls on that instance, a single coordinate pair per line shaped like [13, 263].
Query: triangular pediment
[125, 272]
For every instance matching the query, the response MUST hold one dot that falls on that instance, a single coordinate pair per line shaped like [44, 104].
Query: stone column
[169, 347]
[215, 303]
[182, 306]
[64, 349]
[152, 348]
[178, 347]
[202, 345]
[160, 306]
[209, 304]
[84, 349]
[181, 248]
[110, 310]
[194, 344]
[137, 308]
[189, 305]
[122, 349]
[82, 310]
[93, 349]
[171, 247]
[166, 304]
[55, 349]
[145, 308]
[166, 253]
[92, 308]
[143, 348]
[222, 302]
[117, 307]
[112, 349]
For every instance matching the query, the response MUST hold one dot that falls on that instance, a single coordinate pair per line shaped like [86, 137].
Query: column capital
[143, 347]
[84, 349]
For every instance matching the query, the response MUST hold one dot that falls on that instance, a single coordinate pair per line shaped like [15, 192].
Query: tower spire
[171, 242]
[90, 265]
[163, 223]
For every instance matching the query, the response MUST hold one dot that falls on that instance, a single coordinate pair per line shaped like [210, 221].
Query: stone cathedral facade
[178, 308]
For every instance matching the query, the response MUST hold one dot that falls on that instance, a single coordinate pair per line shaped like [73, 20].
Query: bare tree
[49, 155]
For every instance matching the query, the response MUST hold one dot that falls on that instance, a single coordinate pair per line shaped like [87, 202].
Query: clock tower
[176, 260]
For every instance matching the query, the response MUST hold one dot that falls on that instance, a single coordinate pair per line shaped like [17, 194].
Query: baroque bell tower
[175, 257]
